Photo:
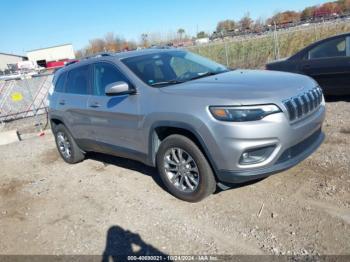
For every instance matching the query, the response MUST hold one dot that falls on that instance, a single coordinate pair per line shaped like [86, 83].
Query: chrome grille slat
[295, 108]
[290, 110]
[298, 107]
[303, 104]
[312, 100]
[319, 96]
[308, 101]
[316, 98]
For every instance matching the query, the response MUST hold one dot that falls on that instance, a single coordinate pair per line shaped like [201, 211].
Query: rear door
[72, 103]
[113, 120]
[329, 64]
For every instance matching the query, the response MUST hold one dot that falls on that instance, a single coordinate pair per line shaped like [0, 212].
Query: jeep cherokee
[198, 122]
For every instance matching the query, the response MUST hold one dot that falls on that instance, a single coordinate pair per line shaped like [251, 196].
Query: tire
[62, 134]
[170, 151]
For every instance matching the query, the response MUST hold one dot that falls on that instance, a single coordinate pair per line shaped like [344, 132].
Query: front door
[114, 120]
[329, 64]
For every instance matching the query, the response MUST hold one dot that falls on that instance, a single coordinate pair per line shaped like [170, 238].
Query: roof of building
[12, 55]
[47, 47]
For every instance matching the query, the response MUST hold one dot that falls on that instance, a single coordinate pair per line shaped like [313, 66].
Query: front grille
[303, 104]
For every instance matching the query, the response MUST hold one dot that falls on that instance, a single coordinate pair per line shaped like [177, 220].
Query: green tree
[202, 34]
[180, 32]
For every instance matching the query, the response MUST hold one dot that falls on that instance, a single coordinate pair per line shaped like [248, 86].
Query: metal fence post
[226, 53]
[35, 111]
[276, 44]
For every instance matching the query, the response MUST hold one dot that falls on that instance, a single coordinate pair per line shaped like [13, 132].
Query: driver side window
[105, 74]
[331, 48]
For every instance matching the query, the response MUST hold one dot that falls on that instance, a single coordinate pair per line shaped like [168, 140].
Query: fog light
[256, 155]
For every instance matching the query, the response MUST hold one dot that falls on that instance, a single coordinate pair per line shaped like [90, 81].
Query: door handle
[62, 102]
[306, 67]
[95, 105]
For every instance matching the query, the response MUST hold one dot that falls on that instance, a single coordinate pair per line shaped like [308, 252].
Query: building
[9, 61]
[51, 57]
[202, 41]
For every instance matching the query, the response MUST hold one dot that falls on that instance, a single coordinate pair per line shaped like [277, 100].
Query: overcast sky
[26, 25]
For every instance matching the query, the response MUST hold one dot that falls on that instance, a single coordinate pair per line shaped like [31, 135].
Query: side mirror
[118, 88]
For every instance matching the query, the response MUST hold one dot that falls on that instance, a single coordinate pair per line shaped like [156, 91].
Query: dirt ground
[112, 205]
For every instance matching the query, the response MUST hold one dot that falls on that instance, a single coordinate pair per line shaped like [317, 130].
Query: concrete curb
[8, 137]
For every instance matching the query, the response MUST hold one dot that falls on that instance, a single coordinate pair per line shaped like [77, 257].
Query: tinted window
[105, 74]
[78, 80]
[332, 48]
[171, 67]
[181, 66]
[59, 86]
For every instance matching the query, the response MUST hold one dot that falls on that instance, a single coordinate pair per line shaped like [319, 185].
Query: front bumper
[293, 143]
[288, 159]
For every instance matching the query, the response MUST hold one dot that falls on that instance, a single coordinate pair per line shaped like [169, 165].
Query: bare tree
[226, 25]
[246, 22]
[258, 25]
[111, 43]
[96, 45]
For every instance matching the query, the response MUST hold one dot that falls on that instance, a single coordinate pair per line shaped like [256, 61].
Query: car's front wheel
[184, 169]
[67, 147]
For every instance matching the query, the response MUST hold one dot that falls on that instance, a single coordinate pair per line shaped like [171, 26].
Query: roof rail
[88, 57]
[71, 62]
[101, 54]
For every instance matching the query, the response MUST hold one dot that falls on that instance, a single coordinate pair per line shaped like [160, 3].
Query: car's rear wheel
[67, 147]
[184, 169]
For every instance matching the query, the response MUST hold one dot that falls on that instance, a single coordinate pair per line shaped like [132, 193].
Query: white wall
[52, 53]
[8, 59]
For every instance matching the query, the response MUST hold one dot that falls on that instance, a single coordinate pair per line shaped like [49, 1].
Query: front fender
[189, 123]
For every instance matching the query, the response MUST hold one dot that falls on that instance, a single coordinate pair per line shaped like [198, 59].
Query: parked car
[326, 61]
[197, 122]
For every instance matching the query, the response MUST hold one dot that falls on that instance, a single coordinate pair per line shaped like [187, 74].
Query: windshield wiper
[207, 74]
[176, 81]
[170, 82]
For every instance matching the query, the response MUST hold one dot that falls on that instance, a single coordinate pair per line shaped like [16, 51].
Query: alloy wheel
[181, 169]
[64, 145]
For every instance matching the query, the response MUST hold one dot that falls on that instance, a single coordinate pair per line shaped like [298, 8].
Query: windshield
[173, 67]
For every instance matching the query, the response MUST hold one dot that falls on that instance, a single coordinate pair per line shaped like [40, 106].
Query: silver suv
[198, 122]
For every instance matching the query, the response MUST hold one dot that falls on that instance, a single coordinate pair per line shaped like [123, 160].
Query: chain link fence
[24, 98]
[254, 51]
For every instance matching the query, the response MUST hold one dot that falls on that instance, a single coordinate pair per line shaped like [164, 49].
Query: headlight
[243, 113]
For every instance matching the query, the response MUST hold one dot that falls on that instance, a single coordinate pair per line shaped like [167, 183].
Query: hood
[244, 86]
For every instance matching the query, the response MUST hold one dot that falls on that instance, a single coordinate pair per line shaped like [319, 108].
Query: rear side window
[105, 74]
[59, 86]
[78, 81]
[331, 48]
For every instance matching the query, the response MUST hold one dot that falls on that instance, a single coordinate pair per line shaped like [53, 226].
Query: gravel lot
[107, 204]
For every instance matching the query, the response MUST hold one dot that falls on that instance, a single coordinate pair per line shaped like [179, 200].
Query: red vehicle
[58, 64]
